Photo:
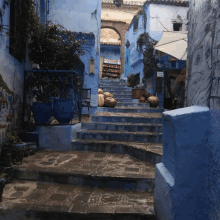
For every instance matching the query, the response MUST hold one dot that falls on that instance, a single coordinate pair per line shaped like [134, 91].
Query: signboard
[160, 74]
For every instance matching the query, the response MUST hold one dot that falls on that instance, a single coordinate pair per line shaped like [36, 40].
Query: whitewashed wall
[159, 18]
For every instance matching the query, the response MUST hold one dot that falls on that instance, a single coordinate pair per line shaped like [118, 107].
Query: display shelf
[115, 66]
[110, 71]
[110, 76]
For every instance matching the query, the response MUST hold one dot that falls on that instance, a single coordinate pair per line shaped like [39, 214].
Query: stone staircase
[108, 174]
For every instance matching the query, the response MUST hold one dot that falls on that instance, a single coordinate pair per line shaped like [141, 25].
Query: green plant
[43, 86]
[53, 47]
[9, 153]
[145, 46]
[130, 78]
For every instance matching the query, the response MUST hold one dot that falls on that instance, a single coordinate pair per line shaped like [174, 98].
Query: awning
[173, 43]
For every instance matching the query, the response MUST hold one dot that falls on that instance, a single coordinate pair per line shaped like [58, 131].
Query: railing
[60, 79]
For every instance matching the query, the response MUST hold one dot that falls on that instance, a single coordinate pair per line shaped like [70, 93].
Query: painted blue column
[181, 179]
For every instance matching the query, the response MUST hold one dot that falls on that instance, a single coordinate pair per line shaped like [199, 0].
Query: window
[135, 25]
[173, 64]
[177, 26]
[17, 45]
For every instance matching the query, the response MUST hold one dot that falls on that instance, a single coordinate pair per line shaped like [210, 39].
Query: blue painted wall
[82, 16]
[111, 52]
[214, 166]
[12, 73]
[127, 62]
[171, 65]
[181, 179]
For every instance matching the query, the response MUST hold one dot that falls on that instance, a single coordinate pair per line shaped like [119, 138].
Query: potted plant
[38, 87]
[63, 108]
[53, 48]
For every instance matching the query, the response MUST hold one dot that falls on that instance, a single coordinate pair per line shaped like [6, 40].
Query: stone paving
[42, 196]
[89, 163]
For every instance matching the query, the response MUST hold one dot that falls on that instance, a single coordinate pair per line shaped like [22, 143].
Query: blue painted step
[126, 119]
[125, 96]
[122, 93]
[127, 100]
[122, 127]
[112, 90]
[120, 136]
[128, 104]
[130, 109]
[112, 83]
[116, 89]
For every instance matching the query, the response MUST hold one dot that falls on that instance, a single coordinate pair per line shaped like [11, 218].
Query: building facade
[160, 17]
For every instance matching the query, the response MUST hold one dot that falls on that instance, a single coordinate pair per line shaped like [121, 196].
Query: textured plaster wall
[203, 72]
[11, 80]
[110, 51]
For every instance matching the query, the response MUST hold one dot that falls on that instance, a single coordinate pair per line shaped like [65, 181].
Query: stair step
[112, 84]
[130, 109]
[57, 201]
[123, 93]
[120, 136]
[127, 117]
[149, 152]
[128, 104]
[125, 96]
[127, 100]
[95, 169]
[122, 127]
[115, 87]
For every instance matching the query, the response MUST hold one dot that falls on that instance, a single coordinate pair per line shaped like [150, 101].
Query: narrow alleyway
[109, 174]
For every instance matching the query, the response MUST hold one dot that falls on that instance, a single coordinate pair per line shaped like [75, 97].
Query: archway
[109, 51]
[120, 28]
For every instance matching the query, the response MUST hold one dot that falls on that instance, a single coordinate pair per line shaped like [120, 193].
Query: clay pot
[110, 102]
[142, 99]
[154, 101]
[108, 94]
[100, 91]
[100, 100]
